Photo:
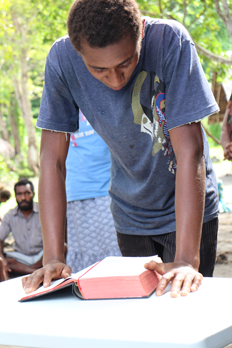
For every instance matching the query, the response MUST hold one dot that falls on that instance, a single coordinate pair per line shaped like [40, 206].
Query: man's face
[112, 65]
[24, 197]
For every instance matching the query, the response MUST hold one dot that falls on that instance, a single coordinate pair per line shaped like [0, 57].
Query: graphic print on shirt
[82, 132]
[153, 121]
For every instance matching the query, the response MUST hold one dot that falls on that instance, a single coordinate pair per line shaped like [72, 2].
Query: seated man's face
[24, 197]
[112, 65]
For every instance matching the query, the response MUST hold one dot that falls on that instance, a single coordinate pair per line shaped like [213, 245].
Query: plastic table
[201, 320]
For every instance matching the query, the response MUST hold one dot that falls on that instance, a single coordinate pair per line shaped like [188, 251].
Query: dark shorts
[164, 245]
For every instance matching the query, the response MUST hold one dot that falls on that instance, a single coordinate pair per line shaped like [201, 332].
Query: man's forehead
[22, 188]
[112, 55]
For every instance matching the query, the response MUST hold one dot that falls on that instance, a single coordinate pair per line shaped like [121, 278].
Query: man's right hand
[228, 152]
[53, 270]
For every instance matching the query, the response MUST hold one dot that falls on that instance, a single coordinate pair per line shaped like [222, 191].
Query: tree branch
[219, 11]
[211, 135]
[212, 56]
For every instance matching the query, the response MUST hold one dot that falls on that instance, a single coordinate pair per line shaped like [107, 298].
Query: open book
[113, 277]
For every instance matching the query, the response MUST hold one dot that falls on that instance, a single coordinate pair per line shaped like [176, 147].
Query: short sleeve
[187, 91]
[5, 227]
[58, 110]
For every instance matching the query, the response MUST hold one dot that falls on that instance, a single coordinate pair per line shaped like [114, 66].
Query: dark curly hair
[103, 22]
[24, 182]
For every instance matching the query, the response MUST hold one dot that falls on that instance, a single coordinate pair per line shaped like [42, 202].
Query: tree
[28, 29]
[204, 20]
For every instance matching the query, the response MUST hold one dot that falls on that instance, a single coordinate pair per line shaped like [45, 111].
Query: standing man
[24, 223]
[140, 85]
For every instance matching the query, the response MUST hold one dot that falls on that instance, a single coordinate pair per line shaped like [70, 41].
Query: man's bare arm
[189, 205]
[52, 207]
[21, 268]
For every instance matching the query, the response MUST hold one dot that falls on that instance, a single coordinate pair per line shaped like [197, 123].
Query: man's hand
[228, 152]
[4, 269]
[53, 270]
[183, 276]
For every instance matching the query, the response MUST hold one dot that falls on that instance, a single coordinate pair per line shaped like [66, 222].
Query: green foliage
[31, 26]
[215, 130]
[204, 25]
[6, 175]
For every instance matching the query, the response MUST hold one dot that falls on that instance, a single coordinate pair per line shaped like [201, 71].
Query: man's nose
[116, 77]
[23, 197]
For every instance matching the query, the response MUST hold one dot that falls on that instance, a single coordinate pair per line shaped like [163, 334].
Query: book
[114, 277]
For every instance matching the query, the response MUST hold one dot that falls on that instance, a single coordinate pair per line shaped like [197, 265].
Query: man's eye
[99, 70]
[126, 64]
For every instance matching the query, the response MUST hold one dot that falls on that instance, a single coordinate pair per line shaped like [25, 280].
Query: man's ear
[143, 28]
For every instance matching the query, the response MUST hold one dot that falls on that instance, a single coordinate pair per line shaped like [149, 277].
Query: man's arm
[21, 268]
[189, 206]
[225, 138]
[4, 267]
[52, 207]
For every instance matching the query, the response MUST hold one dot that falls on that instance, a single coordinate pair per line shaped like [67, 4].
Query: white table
[202, 319]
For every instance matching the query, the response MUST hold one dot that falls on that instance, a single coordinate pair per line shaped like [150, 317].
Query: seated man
[24, 223]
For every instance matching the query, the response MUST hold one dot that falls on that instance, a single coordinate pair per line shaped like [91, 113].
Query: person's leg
[133, 245]
[208, 247]
[167, 242]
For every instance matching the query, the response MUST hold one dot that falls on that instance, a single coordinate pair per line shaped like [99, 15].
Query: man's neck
[26, 213]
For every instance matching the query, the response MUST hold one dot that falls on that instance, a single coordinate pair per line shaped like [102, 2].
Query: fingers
[184, 279]
[66, 272]
[228, 152]
[32, 282]
[45, 275]
[156, 266]
[163, 283]
[227, 146]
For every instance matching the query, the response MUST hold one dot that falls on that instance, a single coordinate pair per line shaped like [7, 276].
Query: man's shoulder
[8, 216]
[62, 49]
[12, 211]
[35, 207]
[168, 27]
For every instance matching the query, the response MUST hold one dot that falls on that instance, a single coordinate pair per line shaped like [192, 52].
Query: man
[140, 85]
[24, 223]
[226, 133]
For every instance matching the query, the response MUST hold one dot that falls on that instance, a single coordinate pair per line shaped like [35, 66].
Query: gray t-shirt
[167, 89]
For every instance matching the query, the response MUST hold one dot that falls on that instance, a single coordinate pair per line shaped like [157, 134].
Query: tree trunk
[25, 106]
[21, 92]
[3, 128]
[14, 127]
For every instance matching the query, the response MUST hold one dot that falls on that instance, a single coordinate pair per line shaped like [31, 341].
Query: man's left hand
[183, 276]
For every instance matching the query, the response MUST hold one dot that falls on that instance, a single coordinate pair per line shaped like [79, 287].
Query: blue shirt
[87, 164]
[167, 89]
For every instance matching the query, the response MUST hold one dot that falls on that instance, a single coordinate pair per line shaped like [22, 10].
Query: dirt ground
[223, 266]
